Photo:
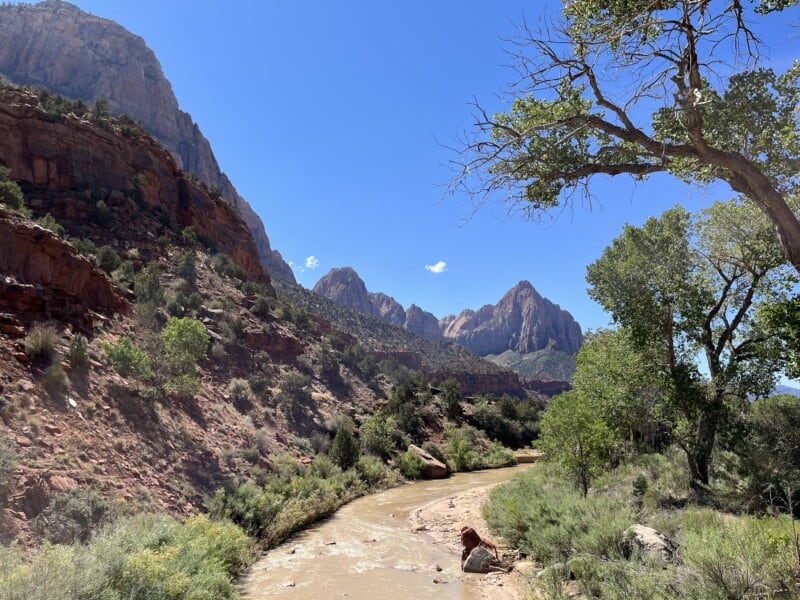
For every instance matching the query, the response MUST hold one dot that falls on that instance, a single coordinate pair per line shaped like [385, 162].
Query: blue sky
[332, 119]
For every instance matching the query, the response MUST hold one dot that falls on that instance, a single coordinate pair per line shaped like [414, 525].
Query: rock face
[46, 276]
[432, 468]
[87, 57]
[65, 165]
[480, 560]
[522, 321]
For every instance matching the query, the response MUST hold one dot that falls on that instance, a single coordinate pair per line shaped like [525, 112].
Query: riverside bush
[548, 518]
[136, 558]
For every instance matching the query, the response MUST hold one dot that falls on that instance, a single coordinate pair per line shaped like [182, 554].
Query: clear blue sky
[326, 116]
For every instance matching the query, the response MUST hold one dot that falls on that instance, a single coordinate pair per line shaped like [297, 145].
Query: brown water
[398, 564]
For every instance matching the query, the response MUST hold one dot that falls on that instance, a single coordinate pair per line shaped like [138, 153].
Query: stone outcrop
[44, 276]
[522, 321]
[83, 56]
[63, 164]
[431, 467]
[422, 323]
[640, 539]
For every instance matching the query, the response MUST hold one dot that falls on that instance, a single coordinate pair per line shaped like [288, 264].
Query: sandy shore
[442, 520]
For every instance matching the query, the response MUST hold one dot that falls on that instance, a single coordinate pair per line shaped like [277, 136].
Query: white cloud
[312, 262]
[439, 267]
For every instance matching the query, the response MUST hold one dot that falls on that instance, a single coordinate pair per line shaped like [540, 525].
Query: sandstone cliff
[67, 164]
[87, 57]
[522, 321]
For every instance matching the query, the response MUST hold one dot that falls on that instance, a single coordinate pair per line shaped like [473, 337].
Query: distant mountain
[785, 389]
[56, 45]
[521, 323]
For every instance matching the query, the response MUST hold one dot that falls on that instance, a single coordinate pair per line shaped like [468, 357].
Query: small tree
[451, 396]
[10, 192]
[377, 434]
[185, 341]
[574, 435]
[344, 448]
[127, 359]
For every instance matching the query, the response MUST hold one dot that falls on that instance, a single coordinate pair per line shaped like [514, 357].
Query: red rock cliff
[62, 162]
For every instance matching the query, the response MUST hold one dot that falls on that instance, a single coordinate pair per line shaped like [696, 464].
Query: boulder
[432, 468]
[640, 539]
[480, 560]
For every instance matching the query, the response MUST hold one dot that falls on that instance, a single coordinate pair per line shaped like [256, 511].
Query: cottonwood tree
[689, 289]
[639, 87]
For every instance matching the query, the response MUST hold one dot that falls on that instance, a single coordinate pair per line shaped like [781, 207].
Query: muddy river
[367, 551]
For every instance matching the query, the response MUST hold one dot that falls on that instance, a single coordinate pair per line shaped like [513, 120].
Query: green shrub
[147, 285]
[101, 215]
[377, 434]
[78, 351]
[498, 456]
[49, 222]
[360, 361]
[107, 259]
[41, 341]
[294, 396]
[127, 359]
[224, 265]
[186, 267]
[435, 451]
[460, 450]
[10, 192]
[241, 394]
[8, 467]
[550, 520]
[71, 517]
[55, 380]
[741, 558]
[410, 465]
[372, 470]
[185, 342]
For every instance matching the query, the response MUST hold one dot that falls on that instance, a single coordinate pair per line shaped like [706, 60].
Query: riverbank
[442, 520]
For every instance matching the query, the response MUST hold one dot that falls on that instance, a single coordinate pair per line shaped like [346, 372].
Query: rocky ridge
[522, 321]
[87, 57]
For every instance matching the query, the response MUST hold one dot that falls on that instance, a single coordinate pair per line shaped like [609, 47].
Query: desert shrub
[770, 463]
[127, 359]
[329, 365]
[241, 394]
[185, 342]
[498, 456]
[101, 214]
[344, 448]
[107, 258]
[550, 520]
[189, 236]
[360, 361]
[71, 516]
[186, 267]
[378, 434]
[372, 470]
[124, 273]
[55, 380]
[10, 192]
[254, 289]
[224, 265]
[741, 558]
[84, 246]
[8, 467]
[294, 396]
[49, 222]
[147, 285]
[41, 341]
[402, 406]
[293, 314]
[410, 465]
[262, 307]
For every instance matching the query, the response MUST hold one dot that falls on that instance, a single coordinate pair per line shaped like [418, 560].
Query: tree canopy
[687, 289]
[639, 87]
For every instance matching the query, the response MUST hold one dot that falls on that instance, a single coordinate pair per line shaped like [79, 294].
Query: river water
[367, 551]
